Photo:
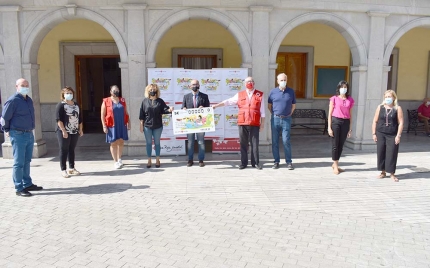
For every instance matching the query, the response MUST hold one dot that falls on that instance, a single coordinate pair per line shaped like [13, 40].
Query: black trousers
[67, 149]
[340, 128]
[386, 151]
[249, 134]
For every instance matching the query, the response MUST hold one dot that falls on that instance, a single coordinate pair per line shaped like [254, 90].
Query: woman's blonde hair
[393, 93]
[153, 87]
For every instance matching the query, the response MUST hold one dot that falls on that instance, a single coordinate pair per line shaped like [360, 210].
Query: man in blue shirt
[18, 124]
[282, 102]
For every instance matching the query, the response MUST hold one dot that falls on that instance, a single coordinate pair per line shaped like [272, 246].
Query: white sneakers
[118, 164]
[66, 174]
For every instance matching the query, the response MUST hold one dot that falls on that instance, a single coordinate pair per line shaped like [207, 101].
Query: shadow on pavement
[92, 189]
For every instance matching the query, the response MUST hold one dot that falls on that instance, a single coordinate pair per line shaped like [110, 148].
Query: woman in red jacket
[115, 120]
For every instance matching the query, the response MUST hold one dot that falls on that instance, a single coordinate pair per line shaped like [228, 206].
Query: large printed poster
[219, 84]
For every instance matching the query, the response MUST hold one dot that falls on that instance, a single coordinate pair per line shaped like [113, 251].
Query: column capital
[123, 65]
[261, 8]
[374, 13]
[71, 9]
[246, 65]
[273, 66]
[151, 65]
[386, 68]
[135, 6]
[10, 8]
[359, 68]
[30, 66]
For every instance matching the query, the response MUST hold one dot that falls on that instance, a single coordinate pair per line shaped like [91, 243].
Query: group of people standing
[18, 122]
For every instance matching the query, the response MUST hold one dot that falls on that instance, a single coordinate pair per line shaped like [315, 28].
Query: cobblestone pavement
[219, 216]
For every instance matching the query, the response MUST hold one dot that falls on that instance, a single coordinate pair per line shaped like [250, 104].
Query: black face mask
[116, 93]
[152, 93]
[195, 88]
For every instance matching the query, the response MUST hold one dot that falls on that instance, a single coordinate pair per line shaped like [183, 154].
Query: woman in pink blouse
[339, 121]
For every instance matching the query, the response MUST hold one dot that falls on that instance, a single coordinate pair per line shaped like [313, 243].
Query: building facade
[90, 45]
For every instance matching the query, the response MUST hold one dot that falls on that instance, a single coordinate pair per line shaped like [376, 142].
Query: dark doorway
[94, 77]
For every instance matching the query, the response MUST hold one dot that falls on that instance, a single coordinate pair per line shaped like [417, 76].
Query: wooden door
[294, 66]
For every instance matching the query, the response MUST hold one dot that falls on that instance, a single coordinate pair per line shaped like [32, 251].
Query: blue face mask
[68, 96]
[24, 91]
[388, 101]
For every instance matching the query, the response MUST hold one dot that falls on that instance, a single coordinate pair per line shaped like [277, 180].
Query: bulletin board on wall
[327, 78]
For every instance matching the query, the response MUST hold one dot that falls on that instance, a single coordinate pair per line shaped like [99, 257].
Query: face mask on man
[343, 90]
[388, 101]
[250, 85]
[195, 88]
[24, 91]
[283, 84]
[68, 96]
[116, 93]
[152, 93]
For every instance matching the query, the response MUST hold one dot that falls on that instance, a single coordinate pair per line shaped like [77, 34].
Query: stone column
[11, 47]
[358, 86]
[371, 95]
[135, 73]
[31, 73]
[260, 61]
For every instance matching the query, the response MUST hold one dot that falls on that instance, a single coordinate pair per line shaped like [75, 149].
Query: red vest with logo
[249, 109]
[109, 119]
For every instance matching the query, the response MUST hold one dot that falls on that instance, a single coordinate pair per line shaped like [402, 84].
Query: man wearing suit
[195, 99]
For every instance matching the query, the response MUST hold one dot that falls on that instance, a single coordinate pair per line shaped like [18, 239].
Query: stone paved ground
[219, 216]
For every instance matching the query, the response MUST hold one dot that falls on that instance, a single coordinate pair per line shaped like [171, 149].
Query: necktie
[194, 101]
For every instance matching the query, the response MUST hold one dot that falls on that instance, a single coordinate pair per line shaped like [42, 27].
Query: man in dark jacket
[195, 99]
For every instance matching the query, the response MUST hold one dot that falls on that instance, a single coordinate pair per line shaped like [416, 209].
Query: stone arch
[346, 29]
[175, 17]
[399, 33]
[42, 27]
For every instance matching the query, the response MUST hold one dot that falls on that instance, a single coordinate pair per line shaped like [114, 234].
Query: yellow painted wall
[414, 47]
[330, 47]
[198, 34]
[49, 53]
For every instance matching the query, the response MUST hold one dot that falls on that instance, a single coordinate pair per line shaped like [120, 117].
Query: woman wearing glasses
[151, 121]
[387, 128]
[339, 121]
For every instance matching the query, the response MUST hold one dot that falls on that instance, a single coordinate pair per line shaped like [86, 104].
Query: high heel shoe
[157, 165]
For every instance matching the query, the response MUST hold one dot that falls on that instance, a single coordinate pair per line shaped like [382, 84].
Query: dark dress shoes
[24, 193]
[242, 167]
[33, 187]
[190, 163]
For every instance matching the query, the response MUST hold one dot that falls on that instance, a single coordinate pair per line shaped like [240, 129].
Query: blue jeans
[22, 148]
[200, 141]
[149, 133]
[281, 126]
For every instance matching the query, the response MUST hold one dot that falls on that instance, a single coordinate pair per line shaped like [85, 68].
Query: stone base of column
[265, 147]
[360, 144]
[39, 149]
[135, 148]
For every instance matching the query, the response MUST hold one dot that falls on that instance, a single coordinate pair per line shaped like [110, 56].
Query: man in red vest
[250, 120]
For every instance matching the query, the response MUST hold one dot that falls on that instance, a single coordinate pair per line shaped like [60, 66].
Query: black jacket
[151, 112]
[202, 100]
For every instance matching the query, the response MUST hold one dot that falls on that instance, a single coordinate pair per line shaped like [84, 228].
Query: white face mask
[343, 90]
[283, 84]
[68, 96]
[428, 103]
